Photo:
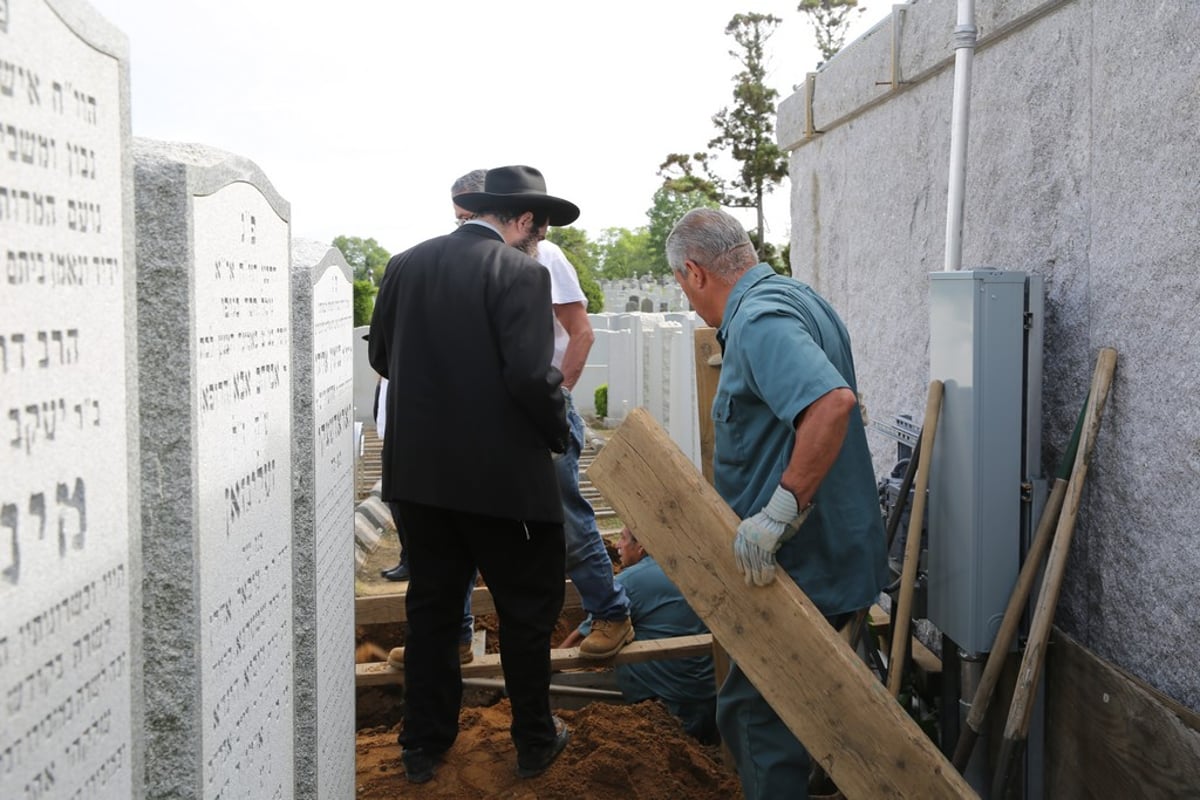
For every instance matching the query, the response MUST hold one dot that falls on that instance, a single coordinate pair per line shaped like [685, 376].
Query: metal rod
[555, 688]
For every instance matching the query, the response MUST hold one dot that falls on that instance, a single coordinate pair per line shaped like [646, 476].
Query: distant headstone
[215, 334]
[323, 505]
[647, 306]
[68, 458]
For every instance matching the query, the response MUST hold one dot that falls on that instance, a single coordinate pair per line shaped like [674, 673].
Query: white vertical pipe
[964, 55]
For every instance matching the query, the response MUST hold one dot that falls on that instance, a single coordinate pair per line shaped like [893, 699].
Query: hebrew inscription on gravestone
[66, 514]
[215, 357]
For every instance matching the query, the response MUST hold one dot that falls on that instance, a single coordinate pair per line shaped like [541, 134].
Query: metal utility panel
[981, 349]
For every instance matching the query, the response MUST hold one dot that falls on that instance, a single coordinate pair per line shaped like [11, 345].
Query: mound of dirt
[616, 752]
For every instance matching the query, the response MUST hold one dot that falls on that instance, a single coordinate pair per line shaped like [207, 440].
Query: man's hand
[760, 536]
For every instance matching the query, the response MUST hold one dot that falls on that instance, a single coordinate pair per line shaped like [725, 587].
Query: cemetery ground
[617, 750]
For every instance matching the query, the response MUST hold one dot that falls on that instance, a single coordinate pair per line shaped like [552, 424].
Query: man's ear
[697, 274]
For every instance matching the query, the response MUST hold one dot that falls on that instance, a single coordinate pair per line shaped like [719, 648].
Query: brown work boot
[395, 658]
[607, 638]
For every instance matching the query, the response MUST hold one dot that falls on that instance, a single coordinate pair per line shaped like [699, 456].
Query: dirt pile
[617, 752]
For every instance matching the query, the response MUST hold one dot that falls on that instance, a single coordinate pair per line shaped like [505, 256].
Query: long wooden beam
[813, 680]
[380, 674]
[382, 608]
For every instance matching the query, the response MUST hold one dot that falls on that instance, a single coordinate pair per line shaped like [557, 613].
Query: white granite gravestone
[323, 504]
[68, 459]
[214, 335]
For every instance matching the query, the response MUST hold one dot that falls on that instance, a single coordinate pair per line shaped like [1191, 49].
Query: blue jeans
[588, 563]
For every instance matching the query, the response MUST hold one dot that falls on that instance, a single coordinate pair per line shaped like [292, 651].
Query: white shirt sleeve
[564, 282]
[381, 418]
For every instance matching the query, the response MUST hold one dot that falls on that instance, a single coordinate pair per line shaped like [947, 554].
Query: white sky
[362, 112]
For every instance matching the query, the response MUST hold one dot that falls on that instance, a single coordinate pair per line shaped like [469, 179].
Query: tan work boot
[607, 638]
[395, 658]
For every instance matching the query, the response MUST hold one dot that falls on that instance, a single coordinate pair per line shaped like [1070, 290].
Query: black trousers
[523, 564]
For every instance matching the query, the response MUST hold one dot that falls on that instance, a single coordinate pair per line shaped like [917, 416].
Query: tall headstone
[214, 335]
[323, 505]
[68, 459]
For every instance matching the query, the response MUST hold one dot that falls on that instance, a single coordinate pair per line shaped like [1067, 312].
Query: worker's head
[708, 250]
[514, 199]
[471, 182]
[629, 549]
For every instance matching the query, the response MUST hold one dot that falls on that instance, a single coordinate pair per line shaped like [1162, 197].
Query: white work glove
[760, 536]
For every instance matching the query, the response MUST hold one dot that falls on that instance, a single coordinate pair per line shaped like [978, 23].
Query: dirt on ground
[617, 751]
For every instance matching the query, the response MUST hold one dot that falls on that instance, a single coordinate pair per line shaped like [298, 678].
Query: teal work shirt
[783, 348]
[658, 611]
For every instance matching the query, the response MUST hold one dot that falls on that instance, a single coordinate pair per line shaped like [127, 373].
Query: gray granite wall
[1081, 168]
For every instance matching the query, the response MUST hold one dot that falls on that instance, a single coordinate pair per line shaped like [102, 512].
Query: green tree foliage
[669, 205]
[364, 302]
[626, 254]
[745, 130]
[772, 255]
[365, 257]
[583, 255]
[830, 20]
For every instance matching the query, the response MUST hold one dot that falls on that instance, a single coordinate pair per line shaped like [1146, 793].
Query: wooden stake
[816, 684]
[902, 615]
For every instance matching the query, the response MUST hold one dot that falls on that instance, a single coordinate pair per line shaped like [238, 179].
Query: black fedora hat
[518, 188]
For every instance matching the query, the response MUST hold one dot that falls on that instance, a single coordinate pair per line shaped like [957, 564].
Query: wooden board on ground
[385, 608]
[1109, 734]
[380, 674]
[809, 675]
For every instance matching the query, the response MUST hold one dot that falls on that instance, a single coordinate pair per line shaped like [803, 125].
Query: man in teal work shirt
[790, 457]
[686, 686]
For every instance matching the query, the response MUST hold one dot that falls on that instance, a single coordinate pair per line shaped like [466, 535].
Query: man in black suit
[463, 329]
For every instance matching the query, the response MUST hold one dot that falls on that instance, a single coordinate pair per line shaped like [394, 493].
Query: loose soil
[617, 751]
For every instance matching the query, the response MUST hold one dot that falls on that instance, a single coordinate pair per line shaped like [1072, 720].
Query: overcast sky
[362, 112]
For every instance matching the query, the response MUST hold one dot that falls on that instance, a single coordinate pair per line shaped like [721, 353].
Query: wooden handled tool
[1016, 730]
[1016, 603]
[912, 547]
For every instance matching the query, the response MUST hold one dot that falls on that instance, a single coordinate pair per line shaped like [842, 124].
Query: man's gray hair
[471, 182]
[714, 239]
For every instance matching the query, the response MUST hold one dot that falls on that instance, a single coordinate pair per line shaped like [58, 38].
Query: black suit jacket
[463, 329]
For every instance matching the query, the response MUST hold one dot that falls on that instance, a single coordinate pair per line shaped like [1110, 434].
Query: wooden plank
[384, 608]
[1109, 734]
[708, 374]
[816, 684]
[488, 665]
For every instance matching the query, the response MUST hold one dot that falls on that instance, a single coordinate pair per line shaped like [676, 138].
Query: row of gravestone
[176, 541]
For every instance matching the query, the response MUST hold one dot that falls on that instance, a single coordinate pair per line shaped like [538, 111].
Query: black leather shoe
[418, 764]
[397, 573]
[536, 760]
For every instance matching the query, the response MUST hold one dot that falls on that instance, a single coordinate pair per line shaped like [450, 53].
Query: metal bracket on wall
[898, 12]
[810, 88]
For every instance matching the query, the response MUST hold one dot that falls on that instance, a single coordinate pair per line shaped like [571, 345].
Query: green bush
[601, 399]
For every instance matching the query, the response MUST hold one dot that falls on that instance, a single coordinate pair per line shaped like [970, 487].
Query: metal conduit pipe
[555, 688]
[965, 36]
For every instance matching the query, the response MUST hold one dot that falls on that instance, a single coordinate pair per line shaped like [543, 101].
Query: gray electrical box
[985, 346]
